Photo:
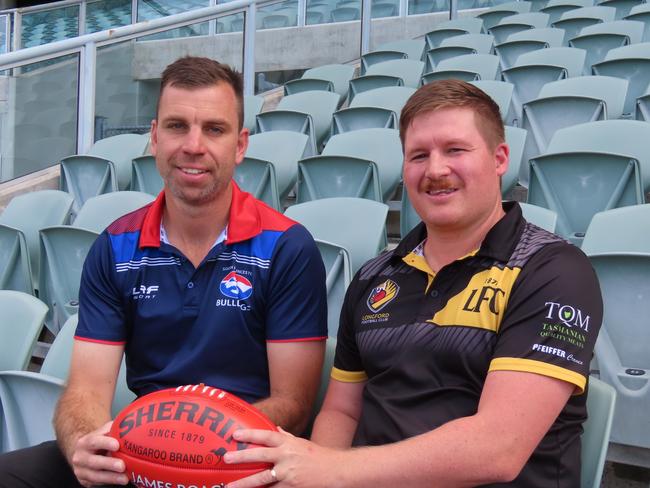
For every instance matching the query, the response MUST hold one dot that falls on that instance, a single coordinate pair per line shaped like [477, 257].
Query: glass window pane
[281, 14]
[427, 6]
[384, 8]
[326, 11]
[50, 25]
[154, 9]
[4, 34]
[38, 116]
[107, 14]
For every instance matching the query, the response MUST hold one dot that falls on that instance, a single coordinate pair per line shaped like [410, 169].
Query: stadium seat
[378, 108]
[493, 15]
[631, 63]
[540, 216]
[338, 276]
[408, 217]
[21, 320]
[516, 139]
[20, 221]
[526, 41]
[455, 27]
[590, 168]
[623, 7]
[372, 82]
[499, 91]
[601, 399]
[64, 249]
[252, 106]
[457, 46]
[269, 169]
[305, 112]
[413, 48]
[641, 13]
[517, 23]
[106, 167]
[469, 67]
[345, 14]
[581, 99]
[618, 245]
[339, 75]
[575, 20]
[598, 39]
[409, 70]
[536, 68]
[555, 8]
[328, 362]
[379, 56]
[145, 177]
[642, 111]
[362, 232]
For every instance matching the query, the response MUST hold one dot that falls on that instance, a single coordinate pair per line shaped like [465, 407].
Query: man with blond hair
[463, 354]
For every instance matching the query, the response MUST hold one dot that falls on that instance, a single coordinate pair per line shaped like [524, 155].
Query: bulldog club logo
[236, 286]
[382, 295]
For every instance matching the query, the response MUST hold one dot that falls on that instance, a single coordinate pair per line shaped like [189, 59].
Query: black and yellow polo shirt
[525, 301]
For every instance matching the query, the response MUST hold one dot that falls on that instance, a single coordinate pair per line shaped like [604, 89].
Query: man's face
[196, 141]
[451, 173]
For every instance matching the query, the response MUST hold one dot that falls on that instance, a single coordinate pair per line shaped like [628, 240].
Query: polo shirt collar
[244, 220]
[499, 242]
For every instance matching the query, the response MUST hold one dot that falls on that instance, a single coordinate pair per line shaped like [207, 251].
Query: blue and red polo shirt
[181, 324]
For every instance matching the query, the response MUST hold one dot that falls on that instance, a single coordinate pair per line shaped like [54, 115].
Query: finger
[257, 455]
[257, 436]
[262, 478]
[97, 462]
[98, 442]
[89, 477]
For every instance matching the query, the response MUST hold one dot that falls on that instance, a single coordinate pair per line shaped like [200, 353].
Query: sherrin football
[176, 438]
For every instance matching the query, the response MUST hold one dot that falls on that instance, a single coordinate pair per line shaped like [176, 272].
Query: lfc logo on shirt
[382, 295]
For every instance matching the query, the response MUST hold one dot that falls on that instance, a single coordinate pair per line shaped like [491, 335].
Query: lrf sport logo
[568, 315]
[144, 292]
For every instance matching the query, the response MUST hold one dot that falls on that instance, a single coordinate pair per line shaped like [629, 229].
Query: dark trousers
[42, 466]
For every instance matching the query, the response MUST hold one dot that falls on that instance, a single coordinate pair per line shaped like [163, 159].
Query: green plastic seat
[468, 67]
[413, 48]
[338, 271]
[516, 139]
[252, 106]
[338, 74]
[21, 320]
[493, 15]
[362, 230]
[379, 56]
[409, 70]
[366, 83]
[24, 216]
[526, 41]
[499, 91]
[555, 8]
[16, 270]
[517, 23]
[458, 46]
[540, 216]
[601, 399]
[408, 217]
[455, 27]
[641, 13]
[145, 177]
[642, 111]
[575, 20]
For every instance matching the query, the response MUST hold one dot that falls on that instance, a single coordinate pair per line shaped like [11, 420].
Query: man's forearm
[289, 414]
[333, 428]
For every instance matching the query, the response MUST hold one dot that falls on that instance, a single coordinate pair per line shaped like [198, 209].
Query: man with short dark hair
[235, 291]
[463, 354]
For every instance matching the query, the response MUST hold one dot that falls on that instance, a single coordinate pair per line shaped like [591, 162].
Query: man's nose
[193, 142]
[437, 166]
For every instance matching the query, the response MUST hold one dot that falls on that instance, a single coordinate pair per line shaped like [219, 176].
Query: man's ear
[502, 158]
[154, 137]
[242, 145]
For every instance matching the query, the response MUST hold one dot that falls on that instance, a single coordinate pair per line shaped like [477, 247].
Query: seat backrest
[16, 271]
[518, 22]
[486, 65]
[555, 8]
[633, 29]
[625, 229]
[21, 320]
[100, 211]
[252, 106]
[481, 43]
[499, 91]
[467, 25]
[595, 438]
[540, 216]
[640, 50]
[413, 48]
[550, 35]
[338, 270]
[410, 70]
[569, 58]
[145, 177]
[339, 74]
[320, 105]
[515, 138]
[121, 150]
[389, 97]
[603, 14]
[57, 359]
[607, 88]
[408, 217]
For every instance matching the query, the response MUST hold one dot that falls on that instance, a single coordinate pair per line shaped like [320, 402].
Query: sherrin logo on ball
[176, 438]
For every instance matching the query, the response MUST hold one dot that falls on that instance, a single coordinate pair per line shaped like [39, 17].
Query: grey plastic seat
[499, 91]
[631, 63]
[413, 48]
[601, 400]
[252, 106]
[642, 111]
[493, 15]
[469, 67]
[516, 139]
[622, 7]
[306, 112]
[555, 8]
[145, 177]
[575, 20]
[64, 249]
[338, 75]
[618, 245]
[21, 220]
[581, 99]
[526, 41]
[379, 56]
[457, 46]
[338, 271]
[599, 39]
[517, 23]
[378, 108]
[365, 163]
[270, 168]
[455, 27]
[21, 320]
[536, 68]
[540, 216]
[408, 217]
[356, 224]
[590, 168]
[372, 82]
[641, 13]
[409, 70]
[106, 167]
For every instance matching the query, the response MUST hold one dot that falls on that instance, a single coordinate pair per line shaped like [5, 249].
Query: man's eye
[215, 130]
[418, 157]
[175, 125]
[456, 149]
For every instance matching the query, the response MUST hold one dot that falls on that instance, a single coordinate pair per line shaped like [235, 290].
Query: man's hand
[296, 462]
[90, 460]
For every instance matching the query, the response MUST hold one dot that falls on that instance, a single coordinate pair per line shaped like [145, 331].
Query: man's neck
[444, 246]
[193, 229]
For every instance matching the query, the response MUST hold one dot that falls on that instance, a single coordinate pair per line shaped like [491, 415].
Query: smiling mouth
[445, 191]
[193, 171]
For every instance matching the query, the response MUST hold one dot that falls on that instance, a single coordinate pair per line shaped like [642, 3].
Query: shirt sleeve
[552, 318]
[101, 310]
[348, 366]
[297, 302]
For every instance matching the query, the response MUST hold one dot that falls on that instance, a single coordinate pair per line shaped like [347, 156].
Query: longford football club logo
[236, 286]
[382, 295]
